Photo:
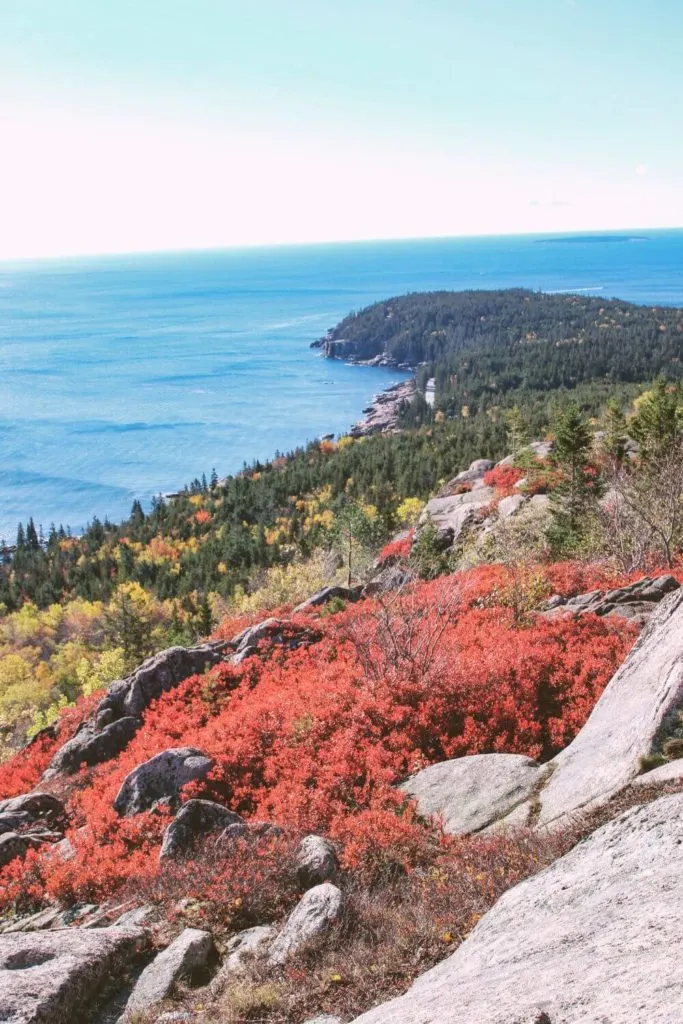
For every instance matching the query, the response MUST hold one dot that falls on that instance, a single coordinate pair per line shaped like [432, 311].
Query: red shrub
[21, 773]
[503, 478]
[316, 738]
[398, 549]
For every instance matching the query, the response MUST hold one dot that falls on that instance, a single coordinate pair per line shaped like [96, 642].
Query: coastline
[381, 416]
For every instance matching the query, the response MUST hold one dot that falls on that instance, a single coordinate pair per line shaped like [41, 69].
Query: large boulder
[315, 861]
[318, 909]
[55, 977]
[189, 952]
[160, 779]
[625, 724]
[34, 805]
[594, 938]
[240, 951]
[389, 578]
[470, 793]
[194, 819]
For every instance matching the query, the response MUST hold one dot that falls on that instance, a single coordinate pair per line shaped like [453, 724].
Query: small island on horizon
[590, 239]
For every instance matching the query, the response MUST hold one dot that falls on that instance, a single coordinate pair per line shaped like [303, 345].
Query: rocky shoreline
[382, 414]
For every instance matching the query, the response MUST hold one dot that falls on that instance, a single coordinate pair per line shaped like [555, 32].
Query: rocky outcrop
[10, 822]
[280, 632]
[321, 597]
[539, 449]
[155, 676]
[389, 578]
[194, 819]
[473, 475]
[160, 779]
[315, 861]
[470, 793]
[90, 746]
[451, 516]
[637, 601]
[318, 909]
[593, 938]
[627, 723]
[189, 952]
[53, 977]
[117, 716]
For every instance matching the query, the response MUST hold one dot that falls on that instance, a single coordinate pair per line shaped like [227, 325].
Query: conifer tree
[576, 492]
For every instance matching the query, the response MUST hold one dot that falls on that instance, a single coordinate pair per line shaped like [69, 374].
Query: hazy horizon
[324, 243]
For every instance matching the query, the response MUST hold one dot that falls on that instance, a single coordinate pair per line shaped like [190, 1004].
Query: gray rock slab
[188, 952]
[317, 910]
[470, 793]
[161, 777]
[593, 939]
[605, 756]
[52, 977]
[473, 474]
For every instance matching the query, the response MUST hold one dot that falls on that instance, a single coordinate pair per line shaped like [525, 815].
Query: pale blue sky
[173, 123]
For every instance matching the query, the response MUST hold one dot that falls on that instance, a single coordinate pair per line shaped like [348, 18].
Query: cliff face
[360, 350]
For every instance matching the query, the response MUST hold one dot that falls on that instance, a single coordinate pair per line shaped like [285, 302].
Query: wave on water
[576, 291]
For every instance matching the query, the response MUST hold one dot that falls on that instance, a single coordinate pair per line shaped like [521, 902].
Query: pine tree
[658, 420]
[576, 492]
[614, 437]
[516, 431]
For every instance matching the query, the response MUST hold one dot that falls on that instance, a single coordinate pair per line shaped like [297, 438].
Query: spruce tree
[575, 494]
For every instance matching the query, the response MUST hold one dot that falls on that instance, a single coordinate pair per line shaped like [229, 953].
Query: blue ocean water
[125, 377]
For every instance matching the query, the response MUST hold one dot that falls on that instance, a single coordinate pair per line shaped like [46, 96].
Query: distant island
[590, 239]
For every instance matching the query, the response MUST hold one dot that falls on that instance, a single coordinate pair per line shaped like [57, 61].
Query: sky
[132, 125]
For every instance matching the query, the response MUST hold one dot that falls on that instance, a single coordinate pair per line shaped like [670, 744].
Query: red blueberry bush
[315, 739]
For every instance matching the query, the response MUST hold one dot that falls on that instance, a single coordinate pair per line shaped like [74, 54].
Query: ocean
[122, 377]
